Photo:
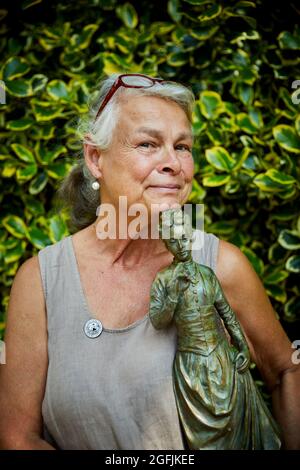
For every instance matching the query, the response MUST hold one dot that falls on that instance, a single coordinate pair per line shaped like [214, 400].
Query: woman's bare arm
[23, 377]
[269, 345]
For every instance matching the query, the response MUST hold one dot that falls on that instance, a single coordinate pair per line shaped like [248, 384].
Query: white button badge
[93, 328]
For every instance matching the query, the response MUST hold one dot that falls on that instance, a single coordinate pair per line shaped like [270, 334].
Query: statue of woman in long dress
[218, 402]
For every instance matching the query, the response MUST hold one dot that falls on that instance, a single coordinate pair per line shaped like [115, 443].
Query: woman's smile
[170, 188]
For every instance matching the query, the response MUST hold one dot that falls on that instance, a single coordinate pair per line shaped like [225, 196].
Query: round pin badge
[93, 328]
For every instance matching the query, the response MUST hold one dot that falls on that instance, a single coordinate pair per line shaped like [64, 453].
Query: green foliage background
[239, 57]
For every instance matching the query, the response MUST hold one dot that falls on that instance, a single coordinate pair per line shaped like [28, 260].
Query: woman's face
[150, 159]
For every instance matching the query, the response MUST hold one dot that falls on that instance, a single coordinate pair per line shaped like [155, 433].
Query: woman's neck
[126, 252]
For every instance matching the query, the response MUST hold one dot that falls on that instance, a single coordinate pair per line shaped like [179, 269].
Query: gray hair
[76, 191]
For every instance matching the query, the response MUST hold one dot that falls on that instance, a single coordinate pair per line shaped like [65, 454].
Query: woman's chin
[163, 203]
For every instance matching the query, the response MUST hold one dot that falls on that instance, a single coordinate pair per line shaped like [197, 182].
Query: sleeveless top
[115, 391]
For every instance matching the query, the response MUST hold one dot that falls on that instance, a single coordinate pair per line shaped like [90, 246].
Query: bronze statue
[218, 402]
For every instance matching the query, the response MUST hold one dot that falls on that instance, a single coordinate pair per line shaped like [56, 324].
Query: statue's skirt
[219, 407]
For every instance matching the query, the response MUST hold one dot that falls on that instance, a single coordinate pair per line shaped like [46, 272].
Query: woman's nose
[170, 162]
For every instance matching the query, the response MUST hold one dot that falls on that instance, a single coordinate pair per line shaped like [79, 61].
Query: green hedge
[240, 58]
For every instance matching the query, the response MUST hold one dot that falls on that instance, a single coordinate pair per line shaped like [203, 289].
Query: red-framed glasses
[132, 80]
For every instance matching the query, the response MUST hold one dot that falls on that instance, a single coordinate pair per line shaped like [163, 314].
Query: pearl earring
[95, 185]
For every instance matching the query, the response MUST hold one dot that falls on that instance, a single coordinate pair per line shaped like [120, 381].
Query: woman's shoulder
[27, 284]
[57, 246]
[28, 268]
[53, 253]
[231, 260]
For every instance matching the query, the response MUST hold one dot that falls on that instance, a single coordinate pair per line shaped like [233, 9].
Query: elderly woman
[85, 367]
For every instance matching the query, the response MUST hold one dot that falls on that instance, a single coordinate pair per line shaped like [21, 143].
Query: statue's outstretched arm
[162, 307]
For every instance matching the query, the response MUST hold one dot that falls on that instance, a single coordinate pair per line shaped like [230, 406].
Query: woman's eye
[184, 147]
[146, 144]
